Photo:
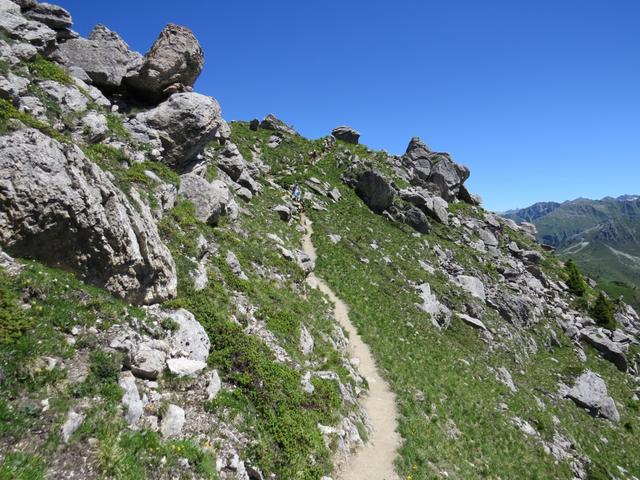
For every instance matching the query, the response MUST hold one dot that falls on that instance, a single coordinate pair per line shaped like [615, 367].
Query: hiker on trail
[296, 197]
[296, 193]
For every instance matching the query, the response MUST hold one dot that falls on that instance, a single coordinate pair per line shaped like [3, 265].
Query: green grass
[450, 368]
[8, 112]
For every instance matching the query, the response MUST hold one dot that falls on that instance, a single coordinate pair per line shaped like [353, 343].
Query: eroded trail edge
[374, 461]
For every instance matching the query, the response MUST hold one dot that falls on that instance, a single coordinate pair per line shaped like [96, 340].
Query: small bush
[602, 311]
[575, 280]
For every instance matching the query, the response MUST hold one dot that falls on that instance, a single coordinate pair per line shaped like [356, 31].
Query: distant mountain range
[602, 236]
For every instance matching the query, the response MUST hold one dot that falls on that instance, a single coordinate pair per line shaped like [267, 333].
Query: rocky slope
[602, 236]
[155, 315]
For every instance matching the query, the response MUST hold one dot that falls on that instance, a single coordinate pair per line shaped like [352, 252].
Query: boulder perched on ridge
[273, 123]
[173, 64]
[58, 207]
[346, 134]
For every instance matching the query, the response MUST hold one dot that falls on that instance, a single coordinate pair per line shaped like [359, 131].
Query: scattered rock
[185, 367]
[503, 375]
[609, 349]
[283, 211]
[131, 398]
[209, 199]
[172, 422]
[590, 392]
[417, 220]
[306, 341]
[147, 359]
[234, 265]
[474, 322]
[71, 424]
[190, 338]
[472, 285]
[214, 385]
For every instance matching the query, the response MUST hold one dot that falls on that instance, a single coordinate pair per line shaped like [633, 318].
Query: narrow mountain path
[375, 460]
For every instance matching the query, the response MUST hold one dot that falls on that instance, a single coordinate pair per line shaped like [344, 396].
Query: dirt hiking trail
[374, 461]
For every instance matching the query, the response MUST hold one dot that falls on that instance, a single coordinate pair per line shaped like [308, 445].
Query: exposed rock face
[590, 392]
[209, 199]
[185, 122]
[271, 122]
[53, 16]
[104, 57]
[375, 190]
[60, 208]
[175, 59]
[346, 134]
[25, 30]
[434, 171]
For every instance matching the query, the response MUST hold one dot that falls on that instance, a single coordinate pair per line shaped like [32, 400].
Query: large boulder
[375, 190]
[58, 207]
[590, 392]
[346, 134]
[416, 219]
[105, 57]
[185, 122]
[173, 64]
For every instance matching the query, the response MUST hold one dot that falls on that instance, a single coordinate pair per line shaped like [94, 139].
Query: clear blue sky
[540, 98]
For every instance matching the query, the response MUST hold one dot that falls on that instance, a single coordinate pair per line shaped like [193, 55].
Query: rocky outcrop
[590, 392]
[346, 134]
[273, 123]
[185, 122]
[173, 64]
[54, 17]
[104, 57]
[60, 208]
[433, 171]
[609, 349]
[20, 28]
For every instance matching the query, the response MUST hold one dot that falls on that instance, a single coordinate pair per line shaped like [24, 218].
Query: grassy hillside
[602, 236]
